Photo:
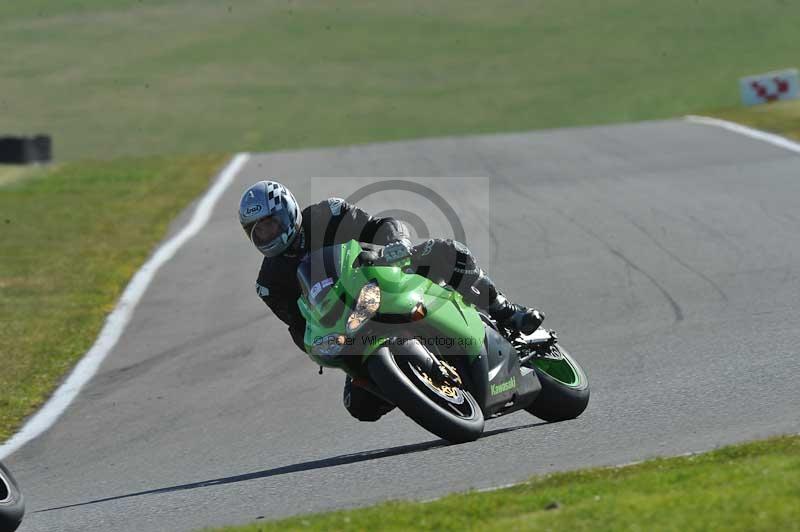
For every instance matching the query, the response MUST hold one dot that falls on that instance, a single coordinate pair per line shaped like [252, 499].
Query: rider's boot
[515, 317]
[507, 314]
[361, 403]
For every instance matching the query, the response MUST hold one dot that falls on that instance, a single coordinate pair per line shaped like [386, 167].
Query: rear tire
[390, 372]
[12, 503]
[565, 389]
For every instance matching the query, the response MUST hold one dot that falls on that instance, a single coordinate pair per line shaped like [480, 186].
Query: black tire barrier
[26, 150]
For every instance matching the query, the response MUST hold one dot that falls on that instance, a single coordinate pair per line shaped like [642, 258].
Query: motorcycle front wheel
[448, 411]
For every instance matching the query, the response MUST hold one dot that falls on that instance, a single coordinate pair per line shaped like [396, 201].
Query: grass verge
[755, 486]
[71, 237]
[177, 76]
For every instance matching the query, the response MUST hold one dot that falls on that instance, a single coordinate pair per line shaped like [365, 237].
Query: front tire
[397, 375]
[565, 388]
[12, 503]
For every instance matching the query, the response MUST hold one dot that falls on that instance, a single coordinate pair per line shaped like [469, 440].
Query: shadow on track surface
[343, 459]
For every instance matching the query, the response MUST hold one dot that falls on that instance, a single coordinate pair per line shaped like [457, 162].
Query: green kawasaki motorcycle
[418, 345]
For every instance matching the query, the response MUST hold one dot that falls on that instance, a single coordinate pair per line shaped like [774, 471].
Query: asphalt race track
[666, 254]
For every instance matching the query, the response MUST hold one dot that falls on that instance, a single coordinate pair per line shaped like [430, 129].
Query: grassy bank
[178, 76]
[755, 486]
[70, 238]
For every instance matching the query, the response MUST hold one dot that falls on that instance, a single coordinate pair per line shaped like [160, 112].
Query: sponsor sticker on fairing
[318, 287]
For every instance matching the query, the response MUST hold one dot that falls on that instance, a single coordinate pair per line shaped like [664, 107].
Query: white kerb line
[118, 319]
[771, 138]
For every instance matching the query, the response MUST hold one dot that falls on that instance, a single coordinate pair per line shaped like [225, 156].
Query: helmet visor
[266, 230]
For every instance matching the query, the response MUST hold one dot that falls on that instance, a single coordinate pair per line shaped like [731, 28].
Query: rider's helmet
[270, 217]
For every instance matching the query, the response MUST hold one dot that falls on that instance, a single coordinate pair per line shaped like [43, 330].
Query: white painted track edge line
[116, 322]
[771, 138]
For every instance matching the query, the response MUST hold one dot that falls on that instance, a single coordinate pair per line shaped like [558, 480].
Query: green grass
[180, 76]
[71, 237]
[748, 487]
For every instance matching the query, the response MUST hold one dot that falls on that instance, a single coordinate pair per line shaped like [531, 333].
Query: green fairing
[447, 313]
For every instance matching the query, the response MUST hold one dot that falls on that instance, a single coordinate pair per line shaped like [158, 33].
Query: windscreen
[318, 272]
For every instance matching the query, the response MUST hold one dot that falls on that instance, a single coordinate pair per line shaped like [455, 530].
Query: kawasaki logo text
[510, 384]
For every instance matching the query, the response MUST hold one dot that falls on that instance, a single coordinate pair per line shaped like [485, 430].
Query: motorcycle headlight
[367, 303]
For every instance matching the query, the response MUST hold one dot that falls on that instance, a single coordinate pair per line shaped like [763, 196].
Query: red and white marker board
[770, 87]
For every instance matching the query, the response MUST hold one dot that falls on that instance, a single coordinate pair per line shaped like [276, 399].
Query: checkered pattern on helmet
[275, 200]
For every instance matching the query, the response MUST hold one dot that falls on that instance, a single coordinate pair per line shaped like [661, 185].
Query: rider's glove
[397, 250]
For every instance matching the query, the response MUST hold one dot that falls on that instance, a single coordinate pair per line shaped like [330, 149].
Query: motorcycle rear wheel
[397, 374]
[565, 387]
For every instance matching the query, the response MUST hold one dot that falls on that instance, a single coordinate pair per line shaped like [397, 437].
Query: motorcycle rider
[274, 223]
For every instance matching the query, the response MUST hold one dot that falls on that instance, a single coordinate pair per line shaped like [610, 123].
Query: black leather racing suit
[334, 221]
